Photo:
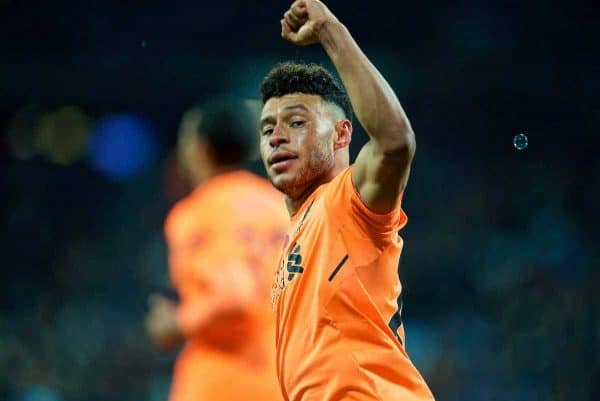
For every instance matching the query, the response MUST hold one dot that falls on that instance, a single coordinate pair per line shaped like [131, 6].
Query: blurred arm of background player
[161, 319]
[214, 312]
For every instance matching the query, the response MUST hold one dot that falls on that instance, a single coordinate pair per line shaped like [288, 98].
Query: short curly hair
[291, 77]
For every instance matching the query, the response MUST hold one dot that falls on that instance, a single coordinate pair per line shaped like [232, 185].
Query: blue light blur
[122, 146]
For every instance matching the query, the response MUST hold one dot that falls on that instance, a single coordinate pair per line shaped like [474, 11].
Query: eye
[267, 131]
[297, 124]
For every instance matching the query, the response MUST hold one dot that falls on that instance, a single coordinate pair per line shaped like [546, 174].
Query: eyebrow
[272, 120]
[297, 106]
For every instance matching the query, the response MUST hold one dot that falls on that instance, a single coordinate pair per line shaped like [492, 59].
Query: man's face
[296, 143]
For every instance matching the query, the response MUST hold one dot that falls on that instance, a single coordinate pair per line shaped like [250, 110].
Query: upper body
[336, 302]
[223, 241]
[339, 333]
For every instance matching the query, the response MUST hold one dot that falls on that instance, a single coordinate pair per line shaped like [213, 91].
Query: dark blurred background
[500, 266]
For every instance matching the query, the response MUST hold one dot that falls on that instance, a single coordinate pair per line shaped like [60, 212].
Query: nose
[278, 136]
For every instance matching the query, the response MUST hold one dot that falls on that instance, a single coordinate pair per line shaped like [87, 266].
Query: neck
[211, 172]
[294, 203]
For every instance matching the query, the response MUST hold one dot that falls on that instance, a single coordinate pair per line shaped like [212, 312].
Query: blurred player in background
[339, 331]
[223, 241]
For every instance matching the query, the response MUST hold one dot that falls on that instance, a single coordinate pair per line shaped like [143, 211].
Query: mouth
[281, 160]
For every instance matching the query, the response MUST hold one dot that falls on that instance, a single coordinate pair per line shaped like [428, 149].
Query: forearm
[224, 291]
[373, 100]
[194, 318]
[191, 318]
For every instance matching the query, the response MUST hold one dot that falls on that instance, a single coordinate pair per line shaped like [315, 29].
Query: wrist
[329, 32]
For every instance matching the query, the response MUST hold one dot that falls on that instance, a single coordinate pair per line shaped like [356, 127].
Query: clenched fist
[303, 22]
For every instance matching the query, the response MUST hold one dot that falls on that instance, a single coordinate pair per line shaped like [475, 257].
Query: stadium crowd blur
[500, 265]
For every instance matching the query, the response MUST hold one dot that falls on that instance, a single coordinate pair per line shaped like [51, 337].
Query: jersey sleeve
[344, 202]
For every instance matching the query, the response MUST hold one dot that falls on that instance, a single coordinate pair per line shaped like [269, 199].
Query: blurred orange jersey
[224, 240]
[339, 333]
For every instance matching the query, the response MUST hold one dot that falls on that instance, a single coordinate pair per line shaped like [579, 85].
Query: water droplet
[520, 141]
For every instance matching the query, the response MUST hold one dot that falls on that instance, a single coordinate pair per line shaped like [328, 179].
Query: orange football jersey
[338, 329]
[224, 240]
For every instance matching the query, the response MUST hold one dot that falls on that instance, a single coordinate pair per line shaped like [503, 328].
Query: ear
[205, 151]
[343, 134]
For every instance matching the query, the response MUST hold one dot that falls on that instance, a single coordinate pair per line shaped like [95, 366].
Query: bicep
[381, 176]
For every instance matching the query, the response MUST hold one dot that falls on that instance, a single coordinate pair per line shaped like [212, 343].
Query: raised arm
[382, 167]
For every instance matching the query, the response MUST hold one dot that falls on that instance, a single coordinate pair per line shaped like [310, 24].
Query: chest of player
[313, 255]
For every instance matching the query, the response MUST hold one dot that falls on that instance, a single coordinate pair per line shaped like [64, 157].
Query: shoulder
[183, 211]
[238, 181]
[265, 203]
[344, 203]
[243, 197]
[339, 191]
